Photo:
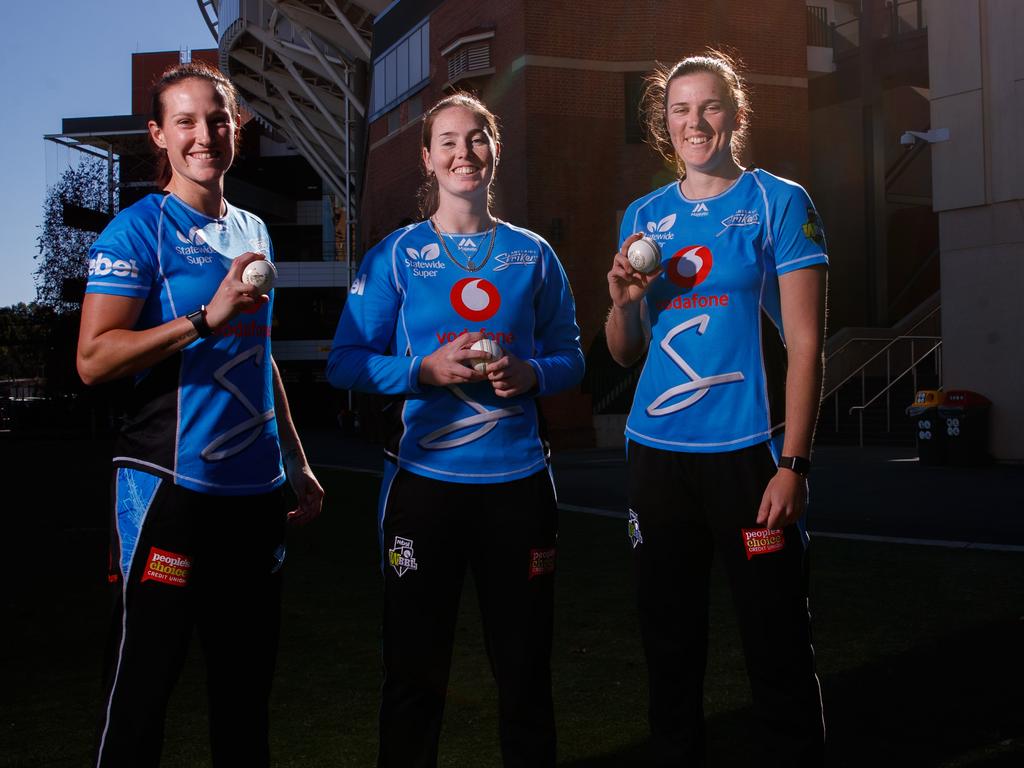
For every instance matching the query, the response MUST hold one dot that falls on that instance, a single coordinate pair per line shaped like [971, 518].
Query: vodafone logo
[690, 266]
[475, 299]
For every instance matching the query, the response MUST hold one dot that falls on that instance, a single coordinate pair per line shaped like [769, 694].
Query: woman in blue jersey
[719, 434]
[199, 516]
[466, 479]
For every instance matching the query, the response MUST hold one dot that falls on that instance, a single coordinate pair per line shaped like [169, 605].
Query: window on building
[401, 70]
[469, 56]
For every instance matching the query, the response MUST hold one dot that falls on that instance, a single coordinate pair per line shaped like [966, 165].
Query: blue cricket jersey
[410, 297]
[714, 378]
[203, 417]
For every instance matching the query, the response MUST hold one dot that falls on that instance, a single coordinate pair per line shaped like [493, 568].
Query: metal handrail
[861, 408]
[909, 330]
[885, 349]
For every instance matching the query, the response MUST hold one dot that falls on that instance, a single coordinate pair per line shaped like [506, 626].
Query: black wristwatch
[797, 464]
[198, 320]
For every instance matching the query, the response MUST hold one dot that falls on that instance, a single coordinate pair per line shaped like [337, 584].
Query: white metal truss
[301, 66]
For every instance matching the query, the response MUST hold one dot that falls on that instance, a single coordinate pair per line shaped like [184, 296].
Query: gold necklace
[469, 266]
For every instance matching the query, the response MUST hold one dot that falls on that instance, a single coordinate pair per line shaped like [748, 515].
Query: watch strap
[797, 464]
[198, 320]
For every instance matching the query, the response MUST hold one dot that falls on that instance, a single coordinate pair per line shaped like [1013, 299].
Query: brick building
[565, 80]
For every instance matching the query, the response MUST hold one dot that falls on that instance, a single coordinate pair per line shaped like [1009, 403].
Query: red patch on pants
[761, 541]
[167, 567]
[542, 562]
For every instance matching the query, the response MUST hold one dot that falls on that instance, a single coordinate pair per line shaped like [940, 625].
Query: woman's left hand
[308, 492]
[511, 376]
[784, 501]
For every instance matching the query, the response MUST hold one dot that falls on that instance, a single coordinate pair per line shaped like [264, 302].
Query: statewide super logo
[196, 248]
[402, 557]
[475, 299]
[424, 262]
[659, 230]
[690, 266]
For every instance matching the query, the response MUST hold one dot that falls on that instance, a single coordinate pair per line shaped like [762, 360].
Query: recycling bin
[931, 439]
[963, 417]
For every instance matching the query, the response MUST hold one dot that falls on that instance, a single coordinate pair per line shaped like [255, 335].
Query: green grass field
[919, 649]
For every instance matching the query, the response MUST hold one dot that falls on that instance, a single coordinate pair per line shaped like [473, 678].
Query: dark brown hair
[192, 70]
[654, 103]
[428, 193]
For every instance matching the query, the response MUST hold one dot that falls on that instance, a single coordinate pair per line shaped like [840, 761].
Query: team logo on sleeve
[475, 299]
[689, 267]
[167, 567]
[103, 265]
[813, 229]
[635, 537]
[402, 557]
[761, 541]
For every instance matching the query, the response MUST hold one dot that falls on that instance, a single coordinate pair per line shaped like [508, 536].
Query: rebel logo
[690, 266]
[475, 299]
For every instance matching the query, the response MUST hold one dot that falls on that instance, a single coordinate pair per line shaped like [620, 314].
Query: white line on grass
[850, 536]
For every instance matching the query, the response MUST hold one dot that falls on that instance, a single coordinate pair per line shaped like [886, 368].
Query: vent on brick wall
[469, 56]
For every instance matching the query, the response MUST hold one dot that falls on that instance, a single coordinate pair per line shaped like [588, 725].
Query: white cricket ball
[260, 273]
[644, 255]
[493, 350]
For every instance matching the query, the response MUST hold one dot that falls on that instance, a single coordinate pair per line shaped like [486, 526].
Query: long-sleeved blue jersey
[714, 378]
[410, 297]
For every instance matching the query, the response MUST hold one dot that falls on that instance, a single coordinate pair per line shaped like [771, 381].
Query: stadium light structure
[301, 67]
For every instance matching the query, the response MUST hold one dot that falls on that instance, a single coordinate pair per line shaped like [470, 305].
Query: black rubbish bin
[964, 419]
[931, 434]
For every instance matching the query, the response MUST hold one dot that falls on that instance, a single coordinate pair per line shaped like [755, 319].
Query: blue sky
[67, 58]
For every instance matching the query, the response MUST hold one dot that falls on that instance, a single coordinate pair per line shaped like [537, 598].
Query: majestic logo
[252, 427]
[700, 209]
[659, 230]
[358, 286]
[101, 266]
[698, 385]
[167, 567]
[402, 557]
[516, 258]
[761, 541]
[633, 526]
[194, 243]
[542, 562]
[740, 219]
[690, 266]
[475, 299]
